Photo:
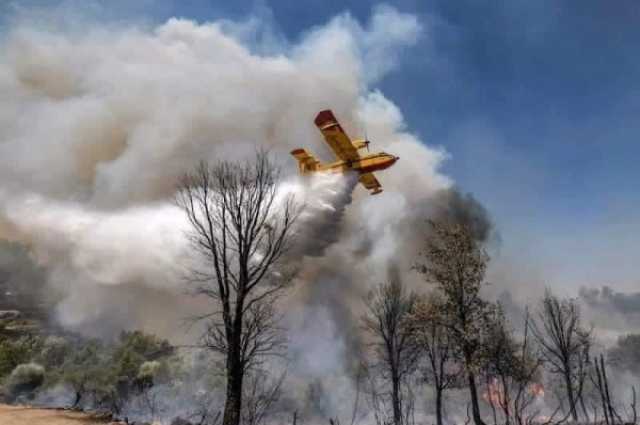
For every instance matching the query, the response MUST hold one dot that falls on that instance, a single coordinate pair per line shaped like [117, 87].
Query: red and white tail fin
[306, 162]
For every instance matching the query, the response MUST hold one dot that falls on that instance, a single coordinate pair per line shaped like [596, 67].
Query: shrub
[147, 346]
[54, 351]
[14, 352]
[83, 368]
[25, 379]
[154, 372]
[137, 360]
[149, 369]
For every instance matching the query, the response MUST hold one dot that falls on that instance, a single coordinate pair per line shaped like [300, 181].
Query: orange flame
[537, 389]
[494, 394]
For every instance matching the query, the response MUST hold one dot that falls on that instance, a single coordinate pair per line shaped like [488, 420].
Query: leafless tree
[204, 409]
[359, 378]
[564, 345]
[260, 396]
[601, 382]
[455, 262]
[393, 353]
[600, 379]
[435, 345]
[512, 372]
[150, 401]
[239, 233]
[528, 385]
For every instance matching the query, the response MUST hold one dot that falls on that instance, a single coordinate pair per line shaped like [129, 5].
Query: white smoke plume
[97, 126]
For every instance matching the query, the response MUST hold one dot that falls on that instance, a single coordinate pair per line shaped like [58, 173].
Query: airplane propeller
[366, 139]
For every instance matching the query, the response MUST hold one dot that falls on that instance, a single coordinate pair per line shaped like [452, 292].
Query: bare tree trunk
[439, 406]
[395, 398]
[612, 412]
[585, 412]
[78, 397]
[233, 402]
[603, 398]
[570, 396]
[475, 405]
[634, 417]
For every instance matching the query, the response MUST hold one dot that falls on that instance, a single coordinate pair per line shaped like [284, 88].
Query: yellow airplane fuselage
[365, 164]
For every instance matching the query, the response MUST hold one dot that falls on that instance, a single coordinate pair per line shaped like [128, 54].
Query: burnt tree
[394, 355]
[239, 232]
[455, 263]
[435, 345]
[564, 345]
[513, 372]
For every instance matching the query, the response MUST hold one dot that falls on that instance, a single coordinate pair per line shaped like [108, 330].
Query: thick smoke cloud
[16, 268]
[98, 125]
[608, 298]
[464, 209]
[610, 309]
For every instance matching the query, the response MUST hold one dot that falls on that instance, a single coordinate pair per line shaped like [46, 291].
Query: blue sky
[537, 102]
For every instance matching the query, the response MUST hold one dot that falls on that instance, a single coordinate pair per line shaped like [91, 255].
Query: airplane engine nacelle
[361, 144]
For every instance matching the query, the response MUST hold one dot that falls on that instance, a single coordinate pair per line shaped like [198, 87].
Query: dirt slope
[21, 415]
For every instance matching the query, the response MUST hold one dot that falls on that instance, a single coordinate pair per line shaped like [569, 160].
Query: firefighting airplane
[346, 150]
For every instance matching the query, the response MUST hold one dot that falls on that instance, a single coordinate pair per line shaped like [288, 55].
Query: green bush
[105, 376]
[54, 351]
[84, 369]
[147, 346]
[154, 372]
[100, 375]
[14, 352]
[25, 379]
[134, 349]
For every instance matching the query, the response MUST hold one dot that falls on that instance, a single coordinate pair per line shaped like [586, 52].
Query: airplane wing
[370, 182]
[335, 136]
